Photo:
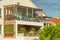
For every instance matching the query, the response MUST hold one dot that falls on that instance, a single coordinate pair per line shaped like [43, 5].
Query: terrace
[18, 12]
[22, 30]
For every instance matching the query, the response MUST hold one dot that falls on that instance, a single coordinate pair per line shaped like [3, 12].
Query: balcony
[25, 13]
[28, 19]
[24, 18]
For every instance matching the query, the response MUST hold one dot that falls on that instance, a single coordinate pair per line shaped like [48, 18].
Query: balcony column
[15, 29]
[9, 12]
[32, 13]
[15, 10]
[27, 12]
[6, 11]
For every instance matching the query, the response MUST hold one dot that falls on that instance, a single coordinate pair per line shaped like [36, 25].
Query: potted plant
[32, 32]
[22, 31]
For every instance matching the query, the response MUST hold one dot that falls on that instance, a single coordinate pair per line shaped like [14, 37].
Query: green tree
[51, 32]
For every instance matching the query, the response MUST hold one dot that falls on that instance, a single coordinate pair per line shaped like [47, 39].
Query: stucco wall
[30, 23]
[24, 3]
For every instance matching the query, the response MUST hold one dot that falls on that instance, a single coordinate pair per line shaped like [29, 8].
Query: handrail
[27, 34]
[24, 18]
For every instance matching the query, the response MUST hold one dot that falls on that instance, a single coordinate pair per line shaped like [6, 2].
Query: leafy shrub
[51, 32]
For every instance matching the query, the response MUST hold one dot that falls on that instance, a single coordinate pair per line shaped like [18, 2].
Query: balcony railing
[28, 19]
[24, 18]
[27, 34]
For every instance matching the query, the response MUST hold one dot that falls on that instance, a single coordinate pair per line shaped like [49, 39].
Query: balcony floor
[30, 23]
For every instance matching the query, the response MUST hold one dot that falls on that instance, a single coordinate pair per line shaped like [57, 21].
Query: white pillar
[6, 11]
[2, 31]
[2, 24]
[9, 12]
[16, 11]
[42, 25]
[27, 12]
[15, 29]
[32, 13]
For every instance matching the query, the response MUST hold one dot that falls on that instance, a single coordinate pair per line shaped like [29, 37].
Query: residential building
[20, 20]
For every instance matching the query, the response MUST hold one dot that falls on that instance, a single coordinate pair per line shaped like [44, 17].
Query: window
[0, 12]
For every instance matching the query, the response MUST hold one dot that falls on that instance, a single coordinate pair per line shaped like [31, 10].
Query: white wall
[41, 13]
[30, 23]
[22, 2]
[2, 16]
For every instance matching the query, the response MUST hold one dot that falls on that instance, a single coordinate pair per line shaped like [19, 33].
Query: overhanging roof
[27, 3]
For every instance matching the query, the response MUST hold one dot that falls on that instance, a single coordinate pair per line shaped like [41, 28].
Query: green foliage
[51, 32]
[18, 18]
[23, 30]
[35, 39]
[8, 29]
[33, 29]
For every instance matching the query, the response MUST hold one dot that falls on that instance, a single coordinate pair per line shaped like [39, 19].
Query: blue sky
[50, 7]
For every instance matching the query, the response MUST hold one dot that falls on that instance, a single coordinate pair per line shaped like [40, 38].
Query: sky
[50, 7]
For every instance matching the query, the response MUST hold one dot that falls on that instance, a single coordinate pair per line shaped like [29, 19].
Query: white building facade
[15, 14]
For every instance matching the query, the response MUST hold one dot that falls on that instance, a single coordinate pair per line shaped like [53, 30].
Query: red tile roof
[55, 20]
